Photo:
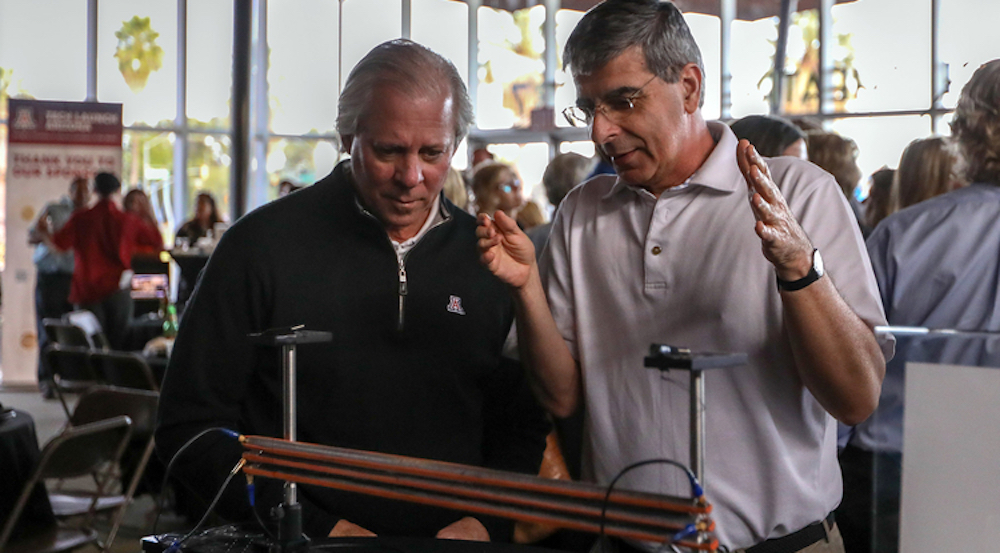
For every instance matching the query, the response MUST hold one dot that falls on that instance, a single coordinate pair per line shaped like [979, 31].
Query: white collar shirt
[435, 216]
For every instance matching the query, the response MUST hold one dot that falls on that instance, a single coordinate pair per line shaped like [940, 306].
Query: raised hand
[783, 241]
[504, 249]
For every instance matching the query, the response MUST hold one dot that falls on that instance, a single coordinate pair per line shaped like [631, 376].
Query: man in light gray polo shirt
[670, 251]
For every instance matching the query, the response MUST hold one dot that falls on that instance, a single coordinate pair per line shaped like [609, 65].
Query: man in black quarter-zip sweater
[375, 254]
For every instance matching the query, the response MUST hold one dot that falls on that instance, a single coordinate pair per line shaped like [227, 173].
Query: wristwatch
[812, 276]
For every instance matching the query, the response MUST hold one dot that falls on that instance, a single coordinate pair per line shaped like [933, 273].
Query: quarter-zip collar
[439, 215]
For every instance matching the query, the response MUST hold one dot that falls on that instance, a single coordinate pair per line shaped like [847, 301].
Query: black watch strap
[814, 274]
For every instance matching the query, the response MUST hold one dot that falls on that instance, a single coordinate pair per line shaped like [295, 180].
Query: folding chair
[123, 369]
[76, 451]
[104, 402]
[91, 327]
[64, 333]
[78, 328]
[72, 372]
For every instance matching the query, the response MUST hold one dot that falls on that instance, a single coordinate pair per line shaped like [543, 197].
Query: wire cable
[170, 465]
[696, 492]
[251, 497]
[176, 545]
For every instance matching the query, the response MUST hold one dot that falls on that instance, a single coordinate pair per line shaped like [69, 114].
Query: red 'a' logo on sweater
[455, 305]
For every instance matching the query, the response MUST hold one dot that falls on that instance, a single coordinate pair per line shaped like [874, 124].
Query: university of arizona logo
[455, 305]
[24, 119]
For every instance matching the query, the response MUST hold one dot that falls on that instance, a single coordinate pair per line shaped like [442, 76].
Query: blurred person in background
[879, 204]
[54, 271]
[807, 125]
[838, 155]
[137, 203]
[936, 266]
[773, 136]
[561, 174]
[480, 156]
[286, 187]
[454, 189]
[926, 169]
[529, 216]
[497, 187]
[104, 238]
[206, 215]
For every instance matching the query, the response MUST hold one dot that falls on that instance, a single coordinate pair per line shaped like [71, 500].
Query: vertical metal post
[698, 424]
[727, 14]
[825, 80]
[240, 114]
[939, 71]
[259, 109]
[551, 63]
[407, 19]
[473, 56]
[180, 191]
[551, 57]
[340, 47]
[91, 50]
[788, 7]
[291, 412]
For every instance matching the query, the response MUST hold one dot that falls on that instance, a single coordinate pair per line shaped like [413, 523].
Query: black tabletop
[19, 456]
[233, 539]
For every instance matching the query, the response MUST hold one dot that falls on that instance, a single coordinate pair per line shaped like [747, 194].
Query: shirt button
[656, 250]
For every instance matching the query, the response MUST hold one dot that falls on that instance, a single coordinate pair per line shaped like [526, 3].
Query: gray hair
[563, 173]
[411, 68]
[976, 127]
[614, 26]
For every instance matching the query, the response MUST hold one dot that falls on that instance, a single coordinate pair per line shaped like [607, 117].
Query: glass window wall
[45, 61]
[511, 67]
[300, 161]
[966, 42]
[366, 24]
[208, 170]
[443, 26]
[137, 59]
[209, 63]
[885, 46]
[303, 53]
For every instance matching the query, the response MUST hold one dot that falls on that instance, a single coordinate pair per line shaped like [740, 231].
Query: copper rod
[473, 475]
[610, 528]
[567, 504]
[667, 520]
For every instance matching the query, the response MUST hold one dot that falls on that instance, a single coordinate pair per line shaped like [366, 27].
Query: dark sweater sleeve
[212, 380]
[514, 434]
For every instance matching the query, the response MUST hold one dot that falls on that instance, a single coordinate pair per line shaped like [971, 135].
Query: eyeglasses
[615, 108]
[510, 186]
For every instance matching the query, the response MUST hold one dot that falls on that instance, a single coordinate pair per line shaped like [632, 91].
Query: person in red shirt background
[104, 239]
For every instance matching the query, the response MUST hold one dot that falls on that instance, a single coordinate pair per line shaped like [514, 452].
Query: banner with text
[49, 144]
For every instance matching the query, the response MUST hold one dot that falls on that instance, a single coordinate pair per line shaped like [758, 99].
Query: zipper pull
[402, 280]
[402, 293]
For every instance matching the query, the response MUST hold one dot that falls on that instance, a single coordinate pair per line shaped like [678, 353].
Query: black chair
[91, 327]
[123, 369]
[76, 451]
[105, 402]
[64, 333]
[72, 372]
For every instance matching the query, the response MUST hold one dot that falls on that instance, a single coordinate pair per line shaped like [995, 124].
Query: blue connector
[688, 530]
